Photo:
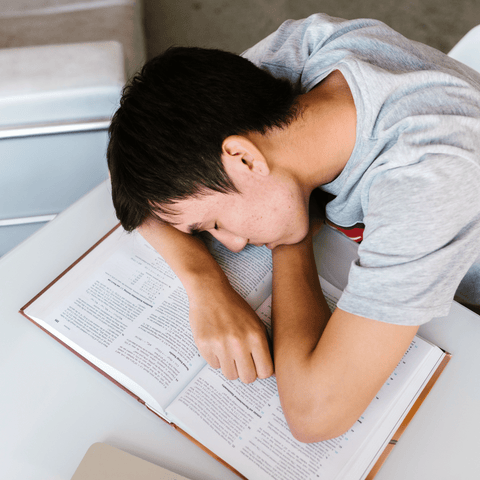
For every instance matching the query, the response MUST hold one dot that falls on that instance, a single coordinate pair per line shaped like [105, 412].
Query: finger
[262, 358]
[211, 359]
[246, 368]
[229, 369]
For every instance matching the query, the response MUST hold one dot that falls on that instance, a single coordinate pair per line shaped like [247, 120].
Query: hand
[228, 333]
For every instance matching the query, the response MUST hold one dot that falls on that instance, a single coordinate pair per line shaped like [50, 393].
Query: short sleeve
[422, 233]
[292, 51]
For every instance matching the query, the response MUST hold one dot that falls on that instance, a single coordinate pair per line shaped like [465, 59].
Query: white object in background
[56, 102]
[467, 50]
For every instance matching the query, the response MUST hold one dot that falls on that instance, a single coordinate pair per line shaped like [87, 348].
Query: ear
[239, 152]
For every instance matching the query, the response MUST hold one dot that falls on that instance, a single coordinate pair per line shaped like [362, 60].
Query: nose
[233, 242]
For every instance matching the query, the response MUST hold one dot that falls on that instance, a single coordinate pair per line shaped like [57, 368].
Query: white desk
[53, 406]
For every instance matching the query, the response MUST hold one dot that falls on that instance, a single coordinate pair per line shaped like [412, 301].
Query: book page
[245, 425]
[131, 315]
[126, 312]
[249, 271]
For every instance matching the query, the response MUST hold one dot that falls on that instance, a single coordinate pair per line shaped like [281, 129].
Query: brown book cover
[411, 413]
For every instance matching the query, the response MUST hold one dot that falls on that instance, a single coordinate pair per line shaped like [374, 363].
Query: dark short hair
[166, 137]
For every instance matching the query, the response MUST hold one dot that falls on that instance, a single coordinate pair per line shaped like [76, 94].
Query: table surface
[54, 406]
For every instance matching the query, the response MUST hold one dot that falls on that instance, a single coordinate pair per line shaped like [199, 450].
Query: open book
[122, 309]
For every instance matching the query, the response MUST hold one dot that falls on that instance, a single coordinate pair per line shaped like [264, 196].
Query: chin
[300, 235]
[290, 238]
[272, 245]
[290, 241]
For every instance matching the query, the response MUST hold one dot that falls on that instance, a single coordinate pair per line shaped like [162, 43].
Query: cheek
[286, 225]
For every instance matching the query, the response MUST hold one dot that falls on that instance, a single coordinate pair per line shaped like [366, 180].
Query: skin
[328, 368]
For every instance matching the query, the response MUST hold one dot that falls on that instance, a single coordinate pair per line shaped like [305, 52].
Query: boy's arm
[227, 332]
[328, 369]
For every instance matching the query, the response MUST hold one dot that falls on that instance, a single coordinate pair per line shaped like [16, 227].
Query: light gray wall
[235, 25]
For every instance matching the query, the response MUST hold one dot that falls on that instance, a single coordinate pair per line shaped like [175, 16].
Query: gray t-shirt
[413, 178]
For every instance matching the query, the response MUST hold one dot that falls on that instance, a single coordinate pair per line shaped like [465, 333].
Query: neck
[316, 146]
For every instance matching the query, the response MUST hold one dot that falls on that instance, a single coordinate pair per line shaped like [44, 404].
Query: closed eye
[195, 228]
[198, 228]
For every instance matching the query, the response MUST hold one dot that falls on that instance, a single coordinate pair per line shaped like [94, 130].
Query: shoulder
[286, 51]
[313, 32]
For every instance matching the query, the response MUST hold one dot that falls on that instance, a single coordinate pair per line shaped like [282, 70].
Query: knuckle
[211, 344]
[203, 340]
[202, 345]
[256, 339]
[257, 335]
[216, 344]
[235, 341]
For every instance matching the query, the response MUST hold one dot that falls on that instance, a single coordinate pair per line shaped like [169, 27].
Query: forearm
[300, 312]
[186, 255]
[300, 315]
[328, 368]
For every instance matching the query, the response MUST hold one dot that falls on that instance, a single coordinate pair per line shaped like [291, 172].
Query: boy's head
[166, 137]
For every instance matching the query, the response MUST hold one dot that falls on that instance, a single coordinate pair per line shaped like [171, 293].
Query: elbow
[308, 431]
[317, 423]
